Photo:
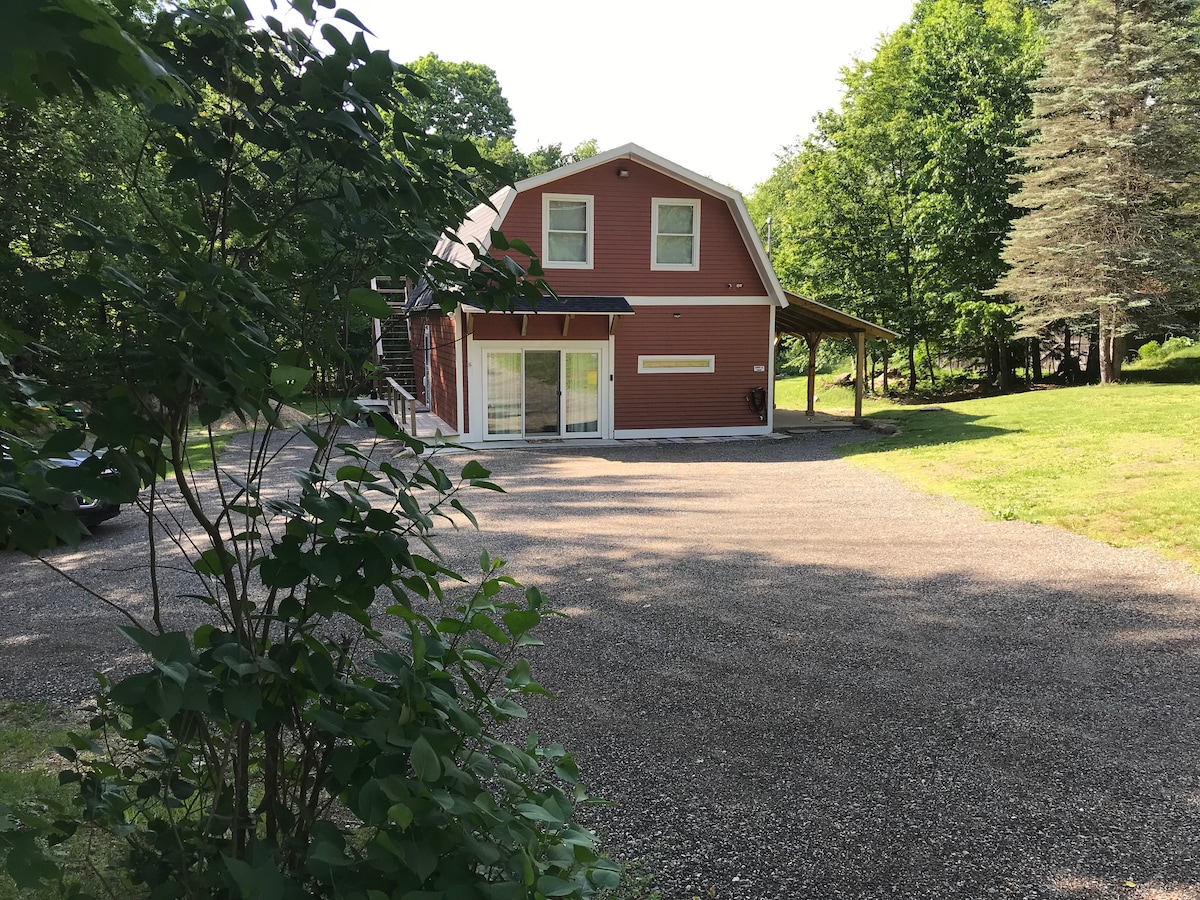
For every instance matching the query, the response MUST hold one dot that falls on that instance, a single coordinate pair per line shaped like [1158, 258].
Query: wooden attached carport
[813, 321]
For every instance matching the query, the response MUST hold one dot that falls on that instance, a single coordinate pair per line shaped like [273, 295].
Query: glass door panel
[543, 376]
[583, 392]
[504, 393]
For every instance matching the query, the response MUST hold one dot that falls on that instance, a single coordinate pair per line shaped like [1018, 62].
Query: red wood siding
[444, 403]
[738, 336]
[543, 327]
[622, 242]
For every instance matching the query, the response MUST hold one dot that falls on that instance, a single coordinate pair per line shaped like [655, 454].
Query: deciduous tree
[895, 208]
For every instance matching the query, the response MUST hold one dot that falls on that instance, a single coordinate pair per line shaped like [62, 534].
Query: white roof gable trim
[475, 229]
[737, 206]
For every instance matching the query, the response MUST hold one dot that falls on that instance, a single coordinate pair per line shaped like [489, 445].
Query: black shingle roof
[570, 305]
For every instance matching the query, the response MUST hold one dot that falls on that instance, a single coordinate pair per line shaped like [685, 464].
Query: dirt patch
[290, 416]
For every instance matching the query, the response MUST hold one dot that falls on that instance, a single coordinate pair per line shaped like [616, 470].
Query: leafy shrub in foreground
[298, 750]
[334, 731]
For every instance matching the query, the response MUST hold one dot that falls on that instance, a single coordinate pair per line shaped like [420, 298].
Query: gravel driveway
[796, 678]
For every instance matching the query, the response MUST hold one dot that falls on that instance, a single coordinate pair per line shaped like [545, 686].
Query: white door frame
[477, 351]
[428, 368]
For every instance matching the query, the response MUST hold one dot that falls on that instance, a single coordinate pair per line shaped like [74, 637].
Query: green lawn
[198, 449]
[792, 393]
[1182, 366]
[28, 768]
[1120, 463]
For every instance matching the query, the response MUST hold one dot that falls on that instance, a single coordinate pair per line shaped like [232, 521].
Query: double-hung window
[567, 231]
[676, 235]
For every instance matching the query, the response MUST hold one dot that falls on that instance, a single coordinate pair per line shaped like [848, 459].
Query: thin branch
[83, 587]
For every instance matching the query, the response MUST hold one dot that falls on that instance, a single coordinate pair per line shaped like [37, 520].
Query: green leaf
[566, 769]
[400, 815]
[355, 473]
[213, 562]
[348, 16]
[538, 813]
[243, 701]
[425, 760]
[61, 443]
[290, 381]
[27, 865]
[521, 621]
[473, 469]
[164, 697]
[370, 302]
[172, 647]
[551, 886]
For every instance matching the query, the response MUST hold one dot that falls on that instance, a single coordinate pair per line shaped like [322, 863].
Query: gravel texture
[795, 678]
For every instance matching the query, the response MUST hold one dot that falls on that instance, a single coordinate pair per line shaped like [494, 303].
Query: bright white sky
[718, 92]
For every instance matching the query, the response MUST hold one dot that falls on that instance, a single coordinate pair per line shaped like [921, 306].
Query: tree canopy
[1110, 185]
[896, 206]
[461, 99]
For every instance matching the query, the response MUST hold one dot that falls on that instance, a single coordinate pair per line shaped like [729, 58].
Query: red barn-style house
[663, 326]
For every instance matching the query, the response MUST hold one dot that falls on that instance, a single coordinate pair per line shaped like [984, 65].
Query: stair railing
[401, 403]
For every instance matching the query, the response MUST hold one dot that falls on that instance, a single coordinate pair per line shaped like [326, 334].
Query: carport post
[860, 368]
[812, 339]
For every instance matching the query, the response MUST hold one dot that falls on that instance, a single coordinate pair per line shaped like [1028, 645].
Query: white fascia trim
[630, 433]
[510, 194]
[771, 373]
[460, 363]
[655, 265]
[589, 202]
[611, 390]
[741, 217]
[625, 151]
[699, 301]
[451, 246]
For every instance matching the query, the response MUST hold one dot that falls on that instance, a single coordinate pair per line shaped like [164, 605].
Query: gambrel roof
[480, 222]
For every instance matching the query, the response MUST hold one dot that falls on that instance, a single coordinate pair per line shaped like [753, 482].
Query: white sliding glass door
[581, 393]
[543, 391]
[504, 394]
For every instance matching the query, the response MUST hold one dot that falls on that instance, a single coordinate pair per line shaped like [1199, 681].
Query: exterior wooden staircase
[392, 350]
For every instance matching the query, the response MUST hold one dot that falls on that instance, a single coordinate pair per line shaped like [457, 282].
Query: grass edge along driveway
[1117, 463]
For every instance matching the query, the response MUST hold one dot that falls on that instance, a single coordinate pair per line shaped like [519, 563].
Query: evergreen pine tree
[1109, 173]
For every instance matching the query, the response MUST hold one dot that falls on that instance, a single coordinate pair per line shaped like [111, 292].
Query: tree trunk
[1035, 356]
[887, 364]
[991, 359]
[929, 360]
[1093, 371]
[1004, 367]
[1112, 351]
[912, 366]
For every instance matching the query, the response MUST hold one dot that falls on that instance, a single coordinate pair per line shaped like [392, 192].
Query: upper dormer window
[676, 235]
[567, 231]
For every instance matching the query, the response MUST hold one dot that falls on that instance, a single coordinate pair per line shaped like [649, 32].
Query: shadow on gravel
[771, 727]
[822, 732]
[936, 425]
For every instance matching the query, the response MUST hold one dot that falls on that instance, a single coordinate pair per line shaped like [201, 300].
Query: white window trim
[655, 265]
[590, 201]
[643, 369]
